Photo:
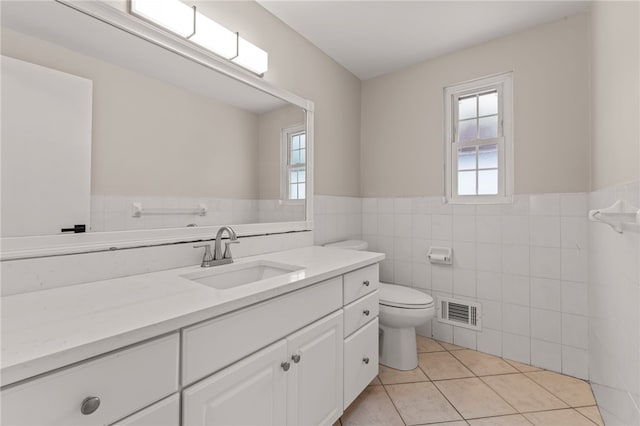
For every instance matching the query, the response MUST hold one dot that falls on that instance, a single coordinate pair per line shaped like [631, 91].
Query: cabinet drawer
[360, 282]
[162, 413]
[358, 373]
[360, 312]
[211, 346]
[124, 382]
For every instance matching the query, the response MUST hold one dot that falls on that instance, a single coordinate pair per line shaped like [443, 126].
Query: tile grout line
[393, 403]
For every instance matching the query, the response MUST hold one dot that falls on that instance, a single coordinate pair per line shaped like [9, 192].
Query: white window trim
[284, 162]
[504, 84]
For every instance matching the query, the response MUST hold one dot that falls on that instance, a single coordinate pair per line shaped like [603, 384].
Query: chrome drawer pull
[295, 358]
[365, 283]
[285, 366]
[365, 360]
[366, 312]
[89, 405]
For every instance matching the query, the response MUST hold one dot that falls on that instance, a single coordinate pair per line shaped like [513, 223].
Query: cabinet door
[249, 392]
[162, 413]
[314, 390]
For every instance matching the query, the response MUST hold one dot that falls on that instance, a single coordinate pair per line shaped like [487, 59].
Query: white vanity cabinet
[361, 310]
[99, 391]
[294, 356]
[162, 413]
[297, 380]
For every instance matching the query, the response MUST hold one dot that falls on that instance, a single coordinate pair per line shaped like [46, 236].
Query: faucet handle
[208, 257]
[227, 248]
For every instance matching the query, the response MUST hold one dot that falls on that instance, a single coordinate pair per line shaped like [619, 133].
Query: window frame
[285, 147]
[503, 84]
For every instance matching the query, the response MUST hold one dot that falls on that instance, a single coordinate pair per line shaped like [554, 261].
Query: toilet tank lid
[349, 244]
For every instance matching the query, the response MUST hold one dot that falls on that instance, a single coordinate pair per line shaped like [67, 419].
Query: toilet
[402, 309]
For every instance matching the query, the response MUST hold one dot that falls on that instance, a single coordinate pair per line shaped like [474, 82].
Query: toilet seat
[397, 296]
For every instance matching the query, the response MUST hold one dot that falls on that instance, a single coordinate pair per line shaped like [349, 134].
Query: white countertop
[49, 329]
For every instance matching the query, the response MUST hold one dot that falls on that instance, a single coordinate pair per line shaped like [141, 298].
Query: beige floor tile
[512, 420]
[473, 398]
[441, 366]
[592, 413]
[376, 381]
[372, 407]
[523, 393]
[456, 423]
[574, 392]
[568, 417]
[425, 344]
[420, 403]
[450, 347]
[337, 423]
[391, 376]
[483, 364]
[523, 368]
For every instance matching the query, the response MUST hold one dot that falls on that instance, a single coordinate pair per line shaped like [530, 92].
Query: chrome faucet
[219, 258]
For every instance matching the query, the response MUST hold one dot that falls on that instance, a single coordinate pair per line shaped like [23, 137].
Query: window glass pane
[488, 182]
[488, 103]
[303, 156]
[295, 157]
[467, 107]
[467, 158]
[301, 176]
[467, 130]
[295, 142]
[488, 127]
[293, 191]
[293, 176]
[467, 183]
[303, 140]
[301, 191]
[488, 156]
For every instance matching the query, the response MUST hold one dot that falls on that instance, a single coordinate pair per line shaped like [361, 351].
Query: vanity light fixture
[187, 22]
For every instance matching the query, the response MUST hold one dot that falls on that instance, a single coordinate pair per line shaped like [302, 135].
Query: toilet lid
[404, 297]
[349, 244]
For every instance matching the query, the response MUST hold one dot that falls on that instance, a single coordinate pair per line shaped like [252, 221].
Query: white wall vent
[461, 313]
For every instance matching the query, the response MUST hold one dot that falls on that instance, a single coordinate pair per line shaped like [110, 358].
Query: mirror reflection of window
[294, 185]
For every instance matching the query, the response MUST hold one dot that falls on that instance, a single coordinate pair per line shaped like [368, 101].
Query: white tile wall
[343, 218]
[525, 262]
[613, 311]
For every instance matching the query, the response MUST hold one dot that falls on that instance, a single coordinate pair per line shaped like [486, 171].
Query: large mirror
[173, 142]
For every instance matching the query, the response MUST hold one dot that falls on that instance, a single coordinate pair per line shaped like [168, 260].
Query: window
[294, 149]
[479, 141]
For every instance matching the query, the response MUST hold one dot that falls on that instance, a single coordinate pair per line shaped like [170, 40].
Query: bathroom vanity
[169, 348]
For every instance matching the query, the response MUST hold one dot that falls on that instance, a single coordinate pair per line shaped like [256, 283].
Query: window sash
[502, 85]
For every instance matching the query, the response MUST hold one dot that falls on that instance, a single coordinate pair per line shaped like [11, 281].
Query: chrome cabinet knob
[366, 312]
[365, 283]
[89, 405]
[285, 366]
[295, 358]
[365, 360]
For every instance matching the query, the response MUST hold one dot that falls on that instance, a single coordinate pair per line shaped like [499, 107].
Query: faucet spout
[218, 255]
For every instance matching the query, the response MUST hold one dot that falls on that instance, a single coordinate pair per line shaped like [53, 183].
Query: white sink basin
[239, 274]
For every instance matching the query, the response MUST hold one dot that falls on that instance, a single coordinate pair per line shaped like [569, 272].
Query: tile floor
[456, 386]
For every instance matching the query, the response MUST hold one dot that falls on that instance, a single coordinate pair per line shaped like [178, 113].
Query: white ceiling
[371, 38]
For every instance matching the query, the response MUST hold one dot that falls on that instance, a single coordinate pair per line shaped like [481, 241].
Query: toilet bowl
[402, 309]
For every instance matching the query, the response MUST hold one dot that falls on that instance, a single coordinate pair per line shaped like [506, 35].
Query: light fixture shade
[173, 15]
[214, 37]
[251, 57]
